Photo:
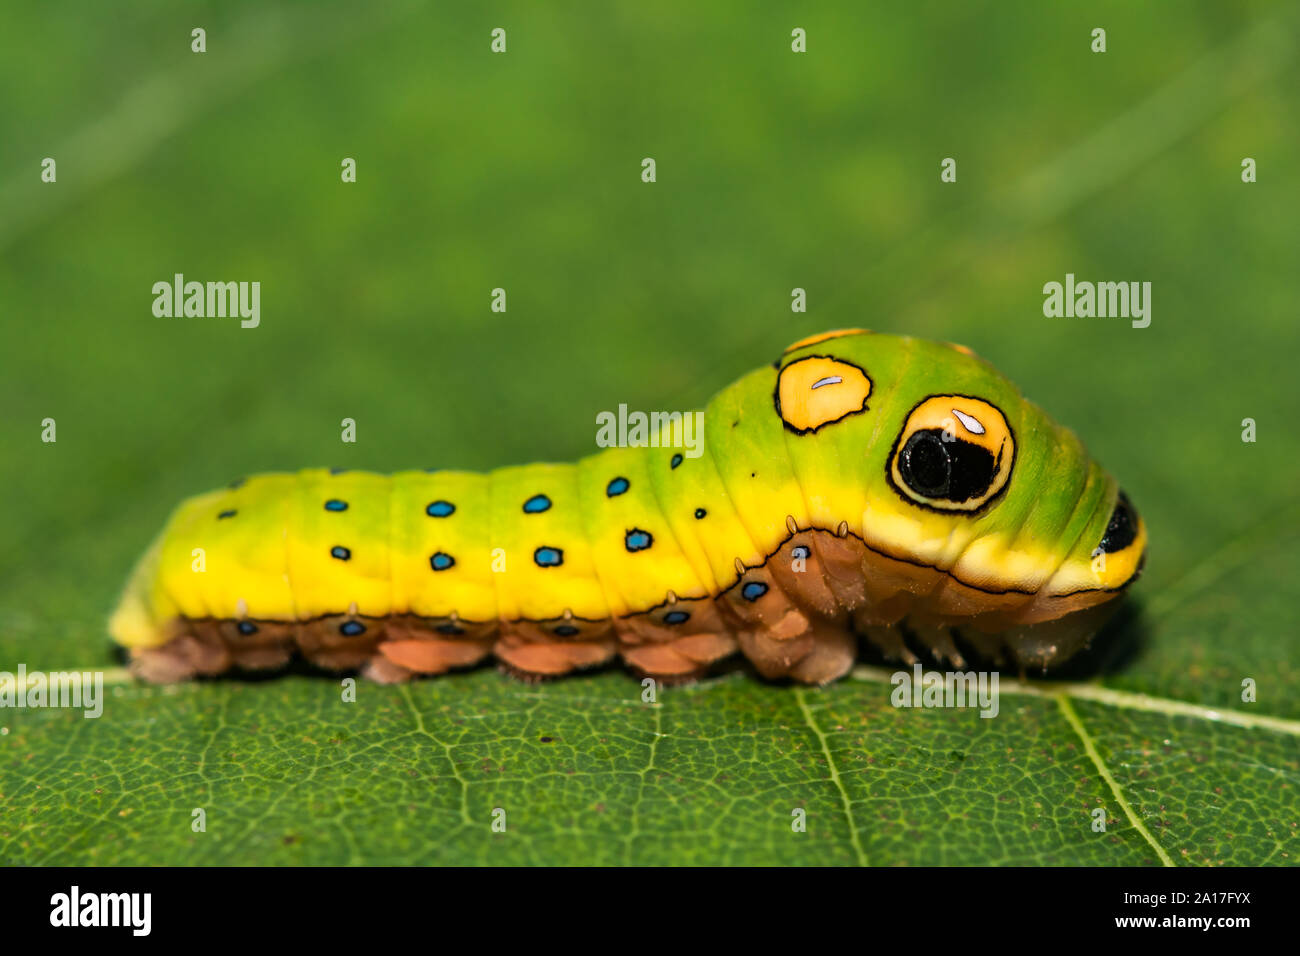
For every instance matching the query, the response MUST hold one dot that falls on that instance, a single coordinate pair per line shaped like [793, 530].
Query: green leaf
[775, 170]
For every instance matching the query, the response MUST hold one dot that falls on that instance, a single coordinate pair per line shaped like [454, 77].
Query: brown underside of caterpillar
[801, 624]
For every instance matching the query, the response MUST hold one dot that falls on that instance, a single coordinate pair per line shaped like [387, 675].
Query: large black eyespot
[952, 470]
[954, 453]
[1122, 527]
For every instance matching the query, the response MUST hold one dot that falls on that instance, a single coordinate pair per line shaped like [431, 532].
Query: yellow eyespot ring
[816, 391]
[954, 453]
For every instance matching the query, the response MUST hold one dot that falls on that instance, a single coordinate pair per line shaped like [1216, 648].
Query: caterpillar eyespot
[885, 486]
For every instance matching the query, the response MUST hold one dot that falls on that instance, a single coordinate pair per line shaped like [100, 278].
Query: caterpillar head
[1001, 512]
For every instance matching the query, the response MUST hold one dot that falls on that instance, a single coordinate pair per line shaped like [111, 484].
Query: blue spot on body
[441, 561]
[439, 509]
[677, 460]
[753, 590]
[801, 552]
[226, 514]
[566, 630]
[537, 504]
[700, 513]
[638, 540]
[340, 552]
[548, 557]
[335, 505]
[616, 487]
[449, 629]
[352, 628]
[676, 617]
[247, 627]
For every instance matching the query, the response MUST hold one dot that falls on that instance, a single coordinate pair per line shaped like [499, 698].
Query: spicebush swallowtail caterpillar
[863, 485]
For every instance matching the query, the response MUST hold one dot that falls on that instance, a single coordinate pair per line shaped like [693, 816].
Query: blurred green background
[522, 170]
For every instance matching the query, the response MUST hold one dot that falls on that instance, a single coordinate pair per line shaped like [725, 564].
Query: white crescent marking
[828, 380]
[972, 425]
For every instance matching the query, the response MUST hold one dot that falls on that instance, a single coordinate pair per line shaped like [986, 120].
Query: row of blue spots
[441, 561]
[439, 509]
[638, 540]
[548, 557]
[676, 617]
[616, 487]
[335, 505]
[340, 552]
[226, 514]
[753, 590]
[537, 504]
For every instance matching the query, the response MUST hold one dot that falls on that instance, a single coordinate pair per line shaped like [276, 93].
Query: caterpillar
[864, 485]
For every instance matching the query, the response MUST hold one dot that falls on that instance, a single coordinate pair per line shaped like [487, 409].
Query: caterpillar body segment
[871, 486]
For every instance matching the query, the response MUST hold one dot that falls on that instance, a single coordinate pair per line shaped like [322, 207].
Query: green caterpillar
[863, 485]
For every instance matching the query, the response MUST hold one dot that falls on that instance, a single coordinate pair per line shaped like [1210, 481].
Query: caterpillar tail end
[135, 623]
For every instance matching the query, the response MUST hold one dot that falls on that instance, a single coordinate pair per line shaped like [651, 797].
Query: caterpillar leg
[989, 646]
[937, 639]
[185, 656]
[417, 646]
[820, 653]
[834, 650]
[432, 656]
[782, 628]
[552, 648]
[381, 670]
[888, 638]
[683, 658]
[680, 640]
